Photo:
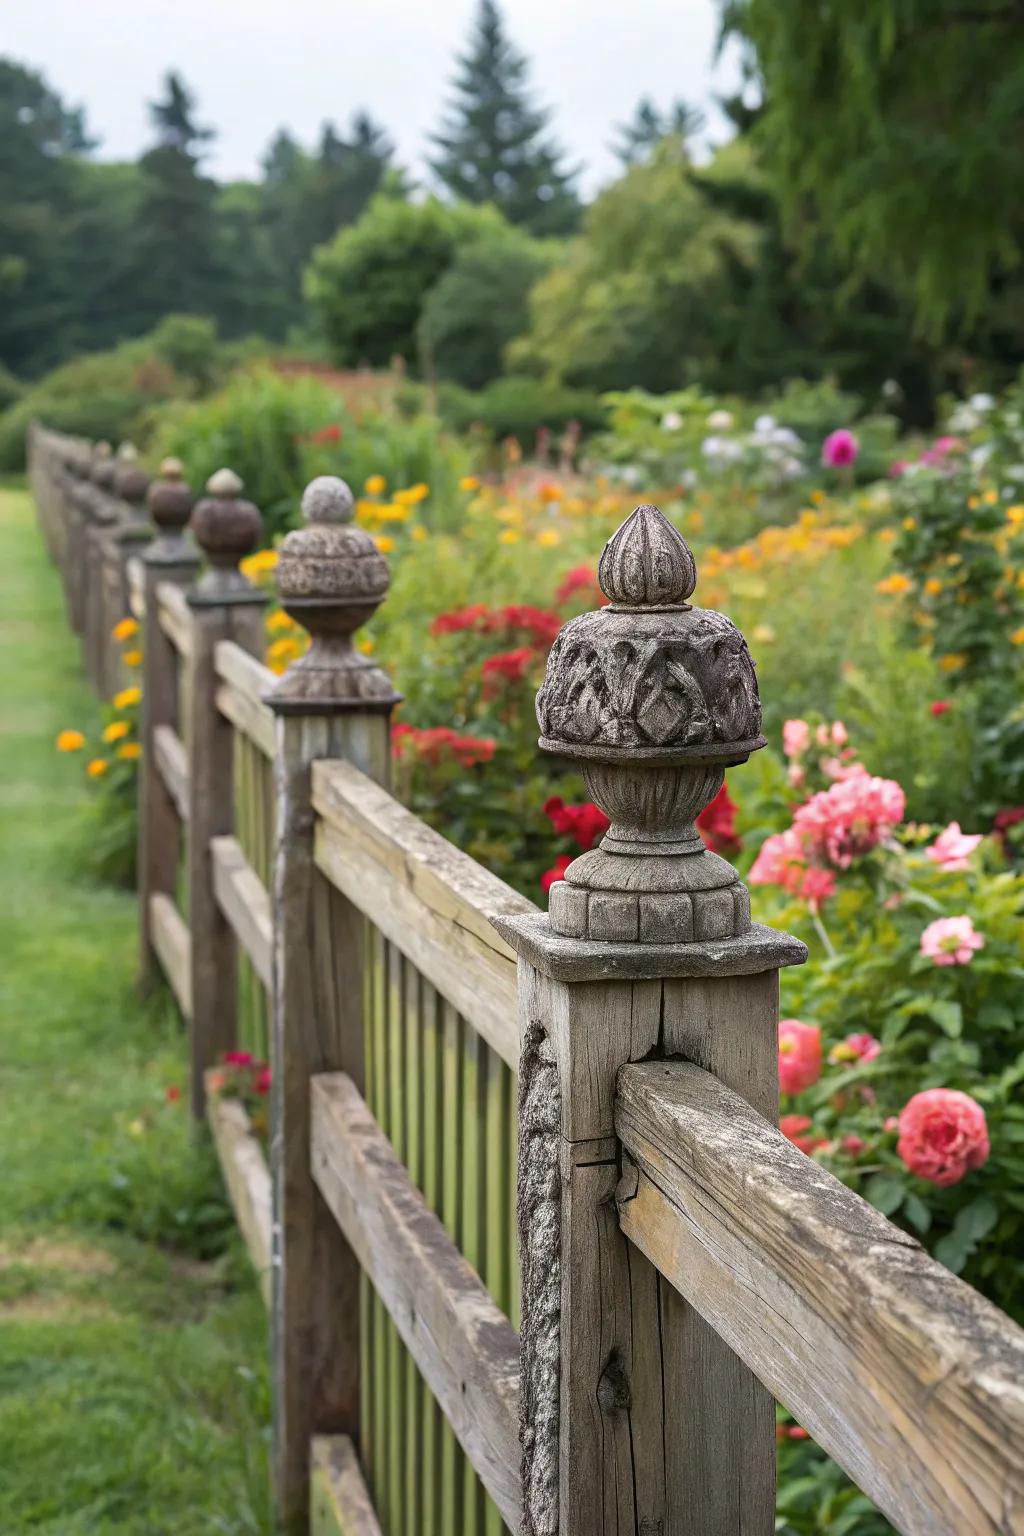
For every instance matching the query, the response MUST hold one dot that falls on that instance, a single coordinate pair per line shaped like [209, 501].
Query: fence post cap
[226, 528]
[331, 579]
[169, 501]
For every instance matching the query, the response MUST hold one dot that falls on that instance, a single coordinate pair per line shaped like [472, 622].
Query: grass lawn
[133, 1392]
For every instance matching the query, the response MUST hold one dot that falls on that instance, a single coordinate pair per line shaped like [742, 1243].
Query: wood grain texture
[247, 1178]
[174, 616]
[171, 761]
[462, 1343]
[135, 575]
[249, 716]
[172, 944]
[908, 1378]
[244, 901]
[245, 673]
[425, 895]
[339, 1503]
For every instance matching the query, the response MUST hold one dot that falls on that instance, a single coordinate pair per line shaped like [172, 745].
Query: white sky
[256, 65]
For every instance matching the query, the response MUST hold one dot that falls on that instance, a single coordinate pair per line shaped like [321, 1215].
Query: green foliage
[519, 408]
[648, 126]
[369, 285]
[478, 306]
[188, 344]
[491, 147]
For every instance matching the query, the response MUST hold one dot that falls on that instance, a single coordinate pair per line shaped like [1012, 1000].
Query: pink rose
[796, 737]
[795, 1128]
[952, 848]
[943, 1135]
[839, 449]
[855, 1048]
[799, 1055]
[844, 822]
[951, 941]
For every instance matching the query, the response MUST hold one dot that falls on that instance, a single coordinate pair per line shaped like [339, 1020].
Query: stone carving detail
[331, 578]
[655, 698]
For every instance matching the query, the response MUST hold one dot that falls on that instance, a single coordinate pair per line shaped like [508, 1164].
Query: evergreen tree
[648, 126]
[492, 145]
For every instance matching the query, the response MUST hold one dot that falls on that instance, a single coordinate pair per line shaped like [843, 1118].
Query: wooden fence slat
[465, 1347]
[175, 617]
[340, 1504]
[247, 716]
[907, 1377]
[173, 945]
[243, 899]
[171, 760]
[247, 1177]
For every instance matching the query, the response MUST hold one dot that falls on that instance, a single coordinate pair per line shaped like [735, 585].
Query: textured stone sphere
[169, 499]
[226, 527]
[330, 560]
[131, 483]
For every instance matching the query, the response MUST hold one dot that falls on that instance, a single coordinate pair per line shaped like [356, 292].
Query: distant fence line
[681, 1263]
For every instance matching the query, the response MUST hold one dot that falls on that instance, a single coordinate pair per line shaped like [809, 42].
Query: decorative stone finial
[655, 699]
[131, 482]
[169, 502]
[227, 528]
[331, 578]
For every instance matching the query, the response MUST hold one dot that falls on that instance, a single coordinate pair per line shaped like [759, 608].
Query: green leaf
[976, 1220]
[916, 1212]
[885, 1192]
[949, 1016]
[952, 1252]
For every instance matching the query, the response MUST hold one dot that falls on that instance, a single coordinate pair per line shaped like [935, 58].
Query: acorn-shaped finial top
[227, 528]
[647, 563]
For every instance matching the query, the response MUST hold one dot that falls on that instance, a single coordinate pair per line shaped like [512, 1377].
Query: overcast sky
[258, 64]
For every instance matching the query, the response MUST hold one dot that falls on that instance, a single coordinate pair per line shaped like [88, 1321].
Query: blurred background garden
[789, 310]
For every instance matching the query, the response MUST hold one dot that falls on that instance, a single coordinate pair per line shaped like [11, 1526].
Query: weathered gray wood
[911, 1380]
[245, 902]
[426, 895]
[174, 616]
[244, 672]
[465, 1348]
[172, 946]
[211, 815]
[339, 1504]
[135, 574]
[249, 716]
[247, 1177]
[172, 765]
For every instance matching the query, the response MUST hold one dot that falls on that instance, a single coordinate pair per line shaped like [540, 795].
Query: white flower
[791, 468]
[981, 455]
[964, 419]
[688, 479]
[720, 421]
[671, 421]
[891, 390]
[721, 450]
[982, 402]
[785, 437]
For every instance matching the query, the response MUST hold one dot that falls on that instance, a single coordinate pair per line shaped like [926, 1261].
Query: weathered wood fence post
[126, 538]
[169, 558]
[225, 606]
[333, 702]
[636, 1418]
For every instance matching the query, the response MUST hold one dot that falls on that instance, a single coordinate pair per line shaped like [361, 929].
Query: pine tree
[492, 144]
[648, 126]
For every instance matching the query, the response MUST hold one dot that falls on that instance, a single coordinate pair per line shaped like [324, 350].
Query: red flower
[580, 579]
[331, 434]
[583, 823]
[717, 824]
[508, 668]
[173, 1094]
[556, 872]
[541, 624]
[794, 1128]
[852, 1145]
[940, 706]
[459, 619]
[238, 1058]
[799, 1055]
[439, 742]
[943, 1135]
[261, 1083]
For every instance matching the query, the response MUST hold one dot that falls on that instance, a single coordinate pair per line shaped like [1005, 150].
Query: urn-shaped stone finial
[169, 502]
[655, 699]
[227, 528]
[331, 578]
[131, 482]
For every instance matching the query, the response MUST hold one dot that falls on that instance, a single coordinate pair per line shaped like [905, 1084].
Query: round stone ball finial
[169, 502]
[226, 528]
[331, 579]
[654, 698]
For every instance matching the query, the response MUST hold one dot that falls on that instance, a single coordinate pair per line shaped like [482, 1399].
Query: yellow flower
[548, 538]
[972, 502]
[125, 630]
[509, 536]
[469, 483]
[1017, 637]
[1015, 516]
[933, 586]
[376, 485]
[952, 663]
[549, 491]
[136, 1128]
[116, 730]
[910, 523]
[260, 564]
[414, 493]
[70, 741]
[279, 623]
[990, 498]
[286, 649]
[394, 512]
[385, 543]
[419, 533]
[127, 698]
[366, 645]
[895, 584]
[764, 634]
[818, 498]
[97, 768]
[130, 751]
[132, 658]
[886, 535]
[509, 514]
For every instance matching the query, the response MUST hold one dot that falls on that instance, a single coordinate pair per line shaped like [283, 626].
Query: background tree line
[789, 252]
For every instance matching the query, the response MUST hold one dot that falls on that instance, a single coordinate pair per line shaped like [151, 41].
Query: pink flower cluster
[943, 1135]
[839, 449]
[799, 1055]
[951, 941]
[952, 848]
[835, 827]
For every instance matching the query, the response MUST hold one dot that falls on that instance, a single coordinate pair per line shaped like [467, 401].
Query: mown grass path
[132, 1384]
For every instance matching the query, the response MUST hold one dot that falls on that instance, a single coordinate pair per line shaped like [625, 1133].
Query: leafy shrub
[519, 407]
[478, 306]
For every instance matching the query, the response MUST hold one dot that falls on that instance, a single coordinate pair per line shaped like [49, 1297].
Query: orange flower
[97, 768]
[116, 730]
[70, 741]
[126, 629]
[132, 658]
[130, 751]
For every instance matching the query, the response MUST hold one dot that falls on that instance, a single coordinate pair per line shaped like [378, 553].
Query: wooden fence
[682, 1264]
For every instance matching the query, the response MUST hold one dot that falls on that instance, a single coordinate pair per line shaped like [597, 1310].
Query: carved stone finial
[227, 528]
[655, 699]
[99, 507]
[131, 482]
[331, 578]
[169, 503]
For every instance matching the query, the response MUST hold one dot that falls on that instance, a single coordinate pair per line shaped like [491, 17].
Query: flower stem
[819, 928]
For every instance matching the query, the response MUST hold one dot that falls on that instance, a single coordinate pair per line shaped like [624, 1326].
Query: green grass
[133, 1390]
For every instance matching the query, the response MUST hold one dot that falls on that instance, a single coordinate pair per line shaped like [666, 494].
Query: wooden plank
[247, 1177]
[465, 1347]
[172, 765]
[247, 715]
[173, 945]
[243, 671]
[175, 617]
[427, 896]
[340, 1504]
[135, 575]
[908, 1378]
[243, 899]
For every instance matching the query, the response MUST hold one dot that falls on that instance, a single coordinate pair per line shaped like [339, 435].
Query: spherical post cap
[225, 484]
[327, 499]
[172, 469]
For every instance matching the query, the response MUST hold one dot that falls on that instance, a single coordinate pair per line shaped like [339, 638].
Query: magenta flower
[839, 449]
[952, 848]
[855, 1048]
[951, 941]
